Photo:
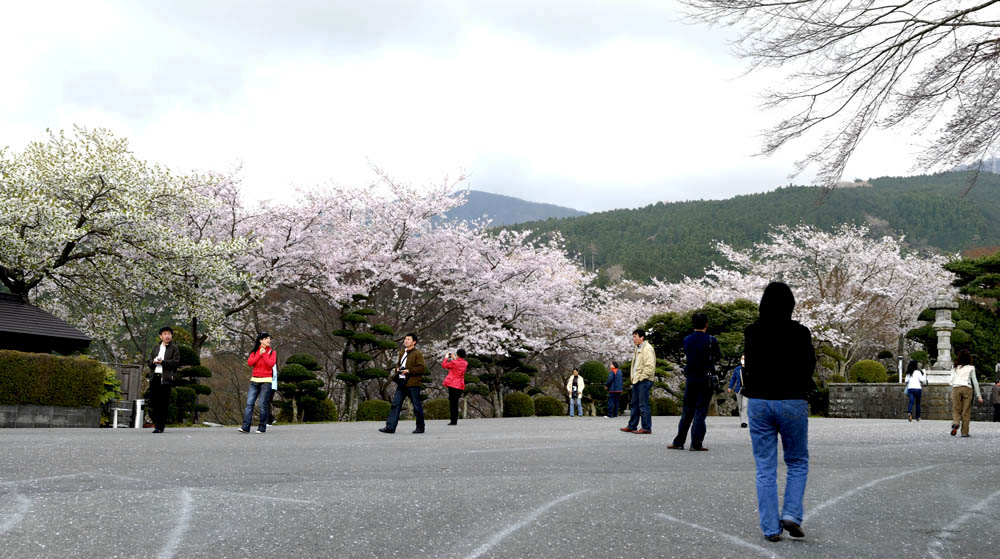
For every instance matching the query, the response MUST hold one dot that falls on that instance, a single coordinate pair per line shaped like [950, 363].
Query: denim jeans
[640, 405]
[579, 406]
[262, 390]
[613, 398]
[790, 420]
[914, 394]
[697, 397]
[402, 392]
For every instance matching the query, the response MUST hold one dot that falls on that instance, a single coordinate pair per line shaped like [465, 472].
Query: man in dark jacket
[409, 375]
[614, 386]
[163, 373]
[701, 353]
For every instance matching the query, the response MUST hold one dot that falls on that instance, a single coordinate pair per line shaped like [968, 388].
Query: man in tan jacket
[643, 369]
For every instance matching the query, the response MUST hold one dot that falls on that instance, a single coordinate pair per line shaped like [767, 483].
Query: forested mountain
[671, 240]
[507, 210]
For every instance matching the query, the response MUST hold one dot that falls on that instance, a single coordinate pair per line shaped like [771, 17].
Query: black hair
[699, 320]
[260, 337]
[166, 329]
[639, 332]
[414, 336]
[614, 364]
[460, 353]
[777, 303]
[912, 366]
[964, 358]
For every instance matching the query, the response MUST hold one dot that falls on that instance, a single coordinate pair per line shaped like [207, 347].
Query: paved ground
[533, 487]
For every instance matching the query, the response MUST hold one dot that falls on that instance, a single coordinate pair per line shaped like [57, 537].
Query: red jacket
[456, 372]
[262, 363]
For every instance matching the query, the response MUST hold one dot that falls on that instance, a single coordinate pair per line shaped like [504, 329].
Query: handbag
[274, 377]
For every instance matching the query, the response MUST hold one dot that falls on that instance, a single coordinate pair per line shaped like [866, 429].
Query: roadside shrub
[373, 410]
[547, 405]
[49, 380]
[664, 406]
[867, 370]
[437, 408]
[885, 354]
[518, 404]
[324, 410]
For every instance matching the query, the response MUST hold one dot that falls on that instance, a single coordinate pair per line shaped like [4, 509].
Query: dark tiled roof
[21, 318]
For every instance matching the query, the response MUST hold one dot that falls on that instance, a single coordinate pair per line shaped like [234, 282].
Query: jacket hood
[777, 303]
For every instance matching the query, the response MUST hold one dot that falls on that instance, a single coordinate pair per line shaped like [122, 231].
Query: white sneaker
[242, 430]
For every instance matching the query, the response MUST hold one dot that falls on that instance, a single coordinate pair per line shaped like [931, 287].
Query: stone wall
[49, 416]
[889, 401]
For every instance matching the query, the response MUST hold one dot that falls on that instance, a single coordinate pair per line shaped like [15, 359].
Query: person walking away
[915, 381]
[963, 384]
[779, 362]
[408, 374]
[736, 385]
[701, 353]
[643, 370]
[614, 386]
[163, 365]
[574, 387]
[456, 366]
[262, 360]
[996, 400]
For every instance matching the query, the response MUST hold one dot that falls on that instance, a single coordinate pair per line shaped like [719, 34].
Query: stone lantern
[940, 372]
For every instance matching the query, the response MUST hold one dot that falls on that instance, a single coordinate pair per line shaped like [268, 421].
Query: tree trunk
[295, 410]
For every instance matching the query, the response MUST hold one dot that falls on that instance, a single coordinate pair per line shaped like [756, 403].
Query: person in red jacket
[262, 359]
[456, 365]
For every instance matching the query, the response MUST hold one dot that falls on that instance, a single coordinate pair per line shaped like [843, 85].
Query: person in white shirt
[963, 383]
[915, 381]
[574, 388]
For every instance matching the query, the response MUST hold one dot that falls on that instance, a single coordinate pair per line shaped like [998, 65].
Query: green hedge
[518, 404]
[664, 406]
[48, 380]
[374, 410]
[867, 370]
[437, 408]
[547, 405]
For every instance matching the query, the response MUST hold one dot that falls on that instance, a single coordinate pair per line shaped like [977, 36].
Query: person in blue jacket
[736, 385]
[614, 386]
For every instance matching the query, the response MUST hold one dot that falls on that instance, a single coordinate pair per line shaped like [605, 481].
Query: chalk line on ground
[23, 506]
[830, 502]
[939, 541]
[176, 535]
[734, 539]
[535, 514]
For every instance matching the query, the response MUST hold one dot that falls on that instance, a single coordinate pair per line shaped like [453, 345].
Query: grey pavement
[527, 487]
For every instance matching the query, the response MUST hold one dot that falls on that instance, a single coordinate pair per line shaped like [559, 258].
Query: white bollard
[137, 416]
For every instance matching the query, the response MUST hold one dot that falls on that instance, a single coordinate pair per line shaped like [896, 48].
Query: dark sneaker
[676, 447]
[699, 448]
[627, 430]
[417, 431]
[793, 529]
[965, 435]
[773, 538]
[743, 425]
[157, 430]
[385, 430]
[954, 430]
[643, 432]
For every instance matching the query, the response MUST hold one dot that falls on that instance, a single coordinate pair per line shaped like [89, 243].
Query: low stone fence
[49, 416]
[889, 400]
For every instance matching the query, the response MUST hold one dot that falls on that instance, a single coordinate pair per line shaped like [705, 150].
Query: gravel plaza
[525, 487]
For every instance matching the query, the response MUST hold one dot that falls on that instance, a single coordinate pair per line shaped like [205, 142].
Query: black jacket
[778, 351]
[171, 360]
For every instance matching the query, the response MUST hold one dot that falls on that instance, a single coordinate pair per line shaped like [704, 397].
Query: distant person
[262, 360]
[736, 385]
[643, 370]
[702, 354]
[779, 361]
[996, 401]
[163, 365]
[915, 381]
[408, 372]
[963, 384]
[614, 385]
[456, 365]
[574, 388]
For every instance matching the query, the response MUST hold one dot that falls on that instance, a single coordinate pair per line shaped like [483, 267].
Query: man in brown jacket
[408, 375]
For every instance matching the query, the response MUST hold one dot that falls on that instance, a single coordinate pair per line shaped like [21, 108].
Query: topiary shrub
[374, 410]
[920, 356]
[885, 354]
[518, 404]
[547, 406]
[867, 370]
[664, 406]
[836, 378]
[437, 408]
[322, 410]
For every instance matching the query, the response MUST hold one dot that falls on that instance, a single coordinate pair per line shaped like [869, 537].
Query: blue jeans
[697, 397]
[640, 405]
[613, 398]
[402, 392]
[914, 394]
[263, 390]
[579, 406]
[790, 419]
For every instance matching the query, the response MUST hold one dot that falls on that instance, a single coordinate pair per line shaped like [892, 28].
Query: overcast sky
[586, 103]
